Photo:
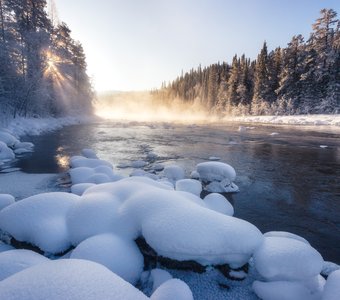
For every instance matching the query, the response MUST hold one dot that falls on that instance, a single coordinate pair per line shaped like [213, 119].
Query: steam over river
[287, 181]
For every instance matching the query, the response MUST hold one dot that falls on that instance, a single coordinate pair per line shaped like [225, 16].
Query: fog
[145, 107]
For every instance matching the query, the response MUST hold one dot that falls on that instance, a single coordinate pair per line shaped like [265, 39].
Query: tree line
[302, 78]
[42, 69]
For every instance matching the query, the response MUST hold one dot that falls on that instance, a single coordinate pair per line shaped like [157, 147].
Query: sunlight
[51, 69]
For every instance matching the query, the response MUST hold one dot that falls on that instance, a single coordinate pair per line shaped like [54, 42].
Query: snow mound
[69, 279]
[5, 200]
[14, 261]
[174, 173]
[5, 152]
[40, 220]
[8, 139]
[121, 256]
[281, 258]
[332, 287]
[158, 277]
[219, 203]
[215, 171]
[190, 186]
[284, 290]
[80, 188]
[286, 234]
[138, 164]
[89, 153]
[89, 162]
[97, 175]
[173, 289]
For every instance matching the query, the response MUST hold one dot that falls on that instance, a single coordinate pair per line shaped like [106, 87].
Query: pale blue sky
[137, 44]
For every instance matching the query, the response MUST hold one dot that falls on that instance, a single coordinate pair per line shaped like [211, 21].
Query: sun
[52, 62]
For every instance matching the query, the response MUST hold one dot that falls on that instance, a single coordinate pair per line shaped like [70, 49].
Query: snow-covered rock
[5, 247]
[40, 220]
[190, 186]
[14, 261]
[89, 162]
[138, 164]
[8, 139]
[215, 171]
[174, 173]
[158, 277]
[119, 255]
[219, 203]
[281, 258]
[5, 200]
[68, 279]
[332, 287]
[24, 145]
[286, 234]
[97, 175]
[173, 289]
[5, 152]
[89, 153]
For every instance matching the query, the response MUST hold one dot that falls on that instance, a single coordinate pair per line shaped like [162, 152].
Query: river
[287, 181]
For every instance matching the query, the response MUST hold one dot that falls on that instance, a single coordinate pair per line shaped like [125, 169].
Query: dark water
[287, 181]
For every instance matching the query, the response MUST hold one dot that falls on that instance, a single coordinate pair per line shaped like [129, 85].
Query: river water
[287, 181]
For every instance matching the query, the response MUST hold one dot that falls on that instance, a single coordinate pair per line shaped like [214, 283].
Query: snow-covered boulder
[285, 290]
[281, 258]
[138, 164]
[40, 220]
[219, 203]
[5, 152]
[8, 139]
[332, 287]
[5, 200]
[89, 153]
[68, 279]
[81, 174]
[97, 175]
[89, 162]
[174, 173]
[14, 261]
[173, 289]
[24, 145]
[158, 277]
[80, 188]
[215, 171]
[286, 234]
[190, 186]
[119, 255]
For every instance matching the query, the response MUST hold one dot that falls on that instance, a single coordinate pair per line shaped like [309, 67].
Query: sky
[138, 44]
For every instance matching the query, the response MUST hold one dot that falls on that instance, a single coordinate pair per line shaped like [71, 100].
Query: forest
[303, 78]
[42, 69]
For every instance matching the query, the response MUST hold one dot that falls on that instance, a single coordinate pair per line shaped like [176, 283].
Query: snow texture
[286, 234]
[190, 186]
[5, 247]
[68, 279]
[40, 220]
[174, 173]
[215, 171]
[119, 255]
[219, 203]
[14, 261]
[332, 287]
[80, 188]
[5, 200]
[6, 153]
[281, 258]
[173, 289]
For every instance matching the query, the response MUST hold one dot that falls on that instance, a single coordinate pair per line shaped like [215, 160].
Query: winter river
[289, 179]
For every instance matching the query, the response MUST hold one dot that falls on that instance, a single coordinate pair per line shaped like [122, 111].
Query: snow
[281, 258]
[80, 188]
[8, 139]
[219, 203]
[119, 255]
[40, 220]
[174, 173]
[215, 171]
[6, 153]
[158, 277]
[190, 186]
[5, 200]
[286, 234]
[173, 289]
[96, 175]
[14, 261]
[89, 162]
[5, 247]
[68, 279]
[332, 287]
[138, 164]
[89, 153]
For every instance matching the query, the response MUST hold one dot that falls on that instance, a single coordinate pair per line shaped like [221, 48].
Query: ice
[40, 220]
[14, 261]
[173, 289]
[5, 200]
[174, 173]
[5, 247]
[332, 287]
[286, 234]
[281, 258]
[6, 153]
[119, 255]
[190, 186]
[283, 290]
[68, 279]
[89, 153]
[158, 277]
[80, 188]
[219, 203]
[215, 171]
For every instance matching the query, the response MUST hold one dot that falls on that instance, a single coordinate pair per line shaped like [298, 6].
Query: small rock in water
[214, 158]
[323, 146]
[274, 133]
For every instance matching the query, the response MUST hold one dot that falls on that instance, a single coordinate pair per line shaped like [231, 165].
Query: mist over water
[144, 107]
